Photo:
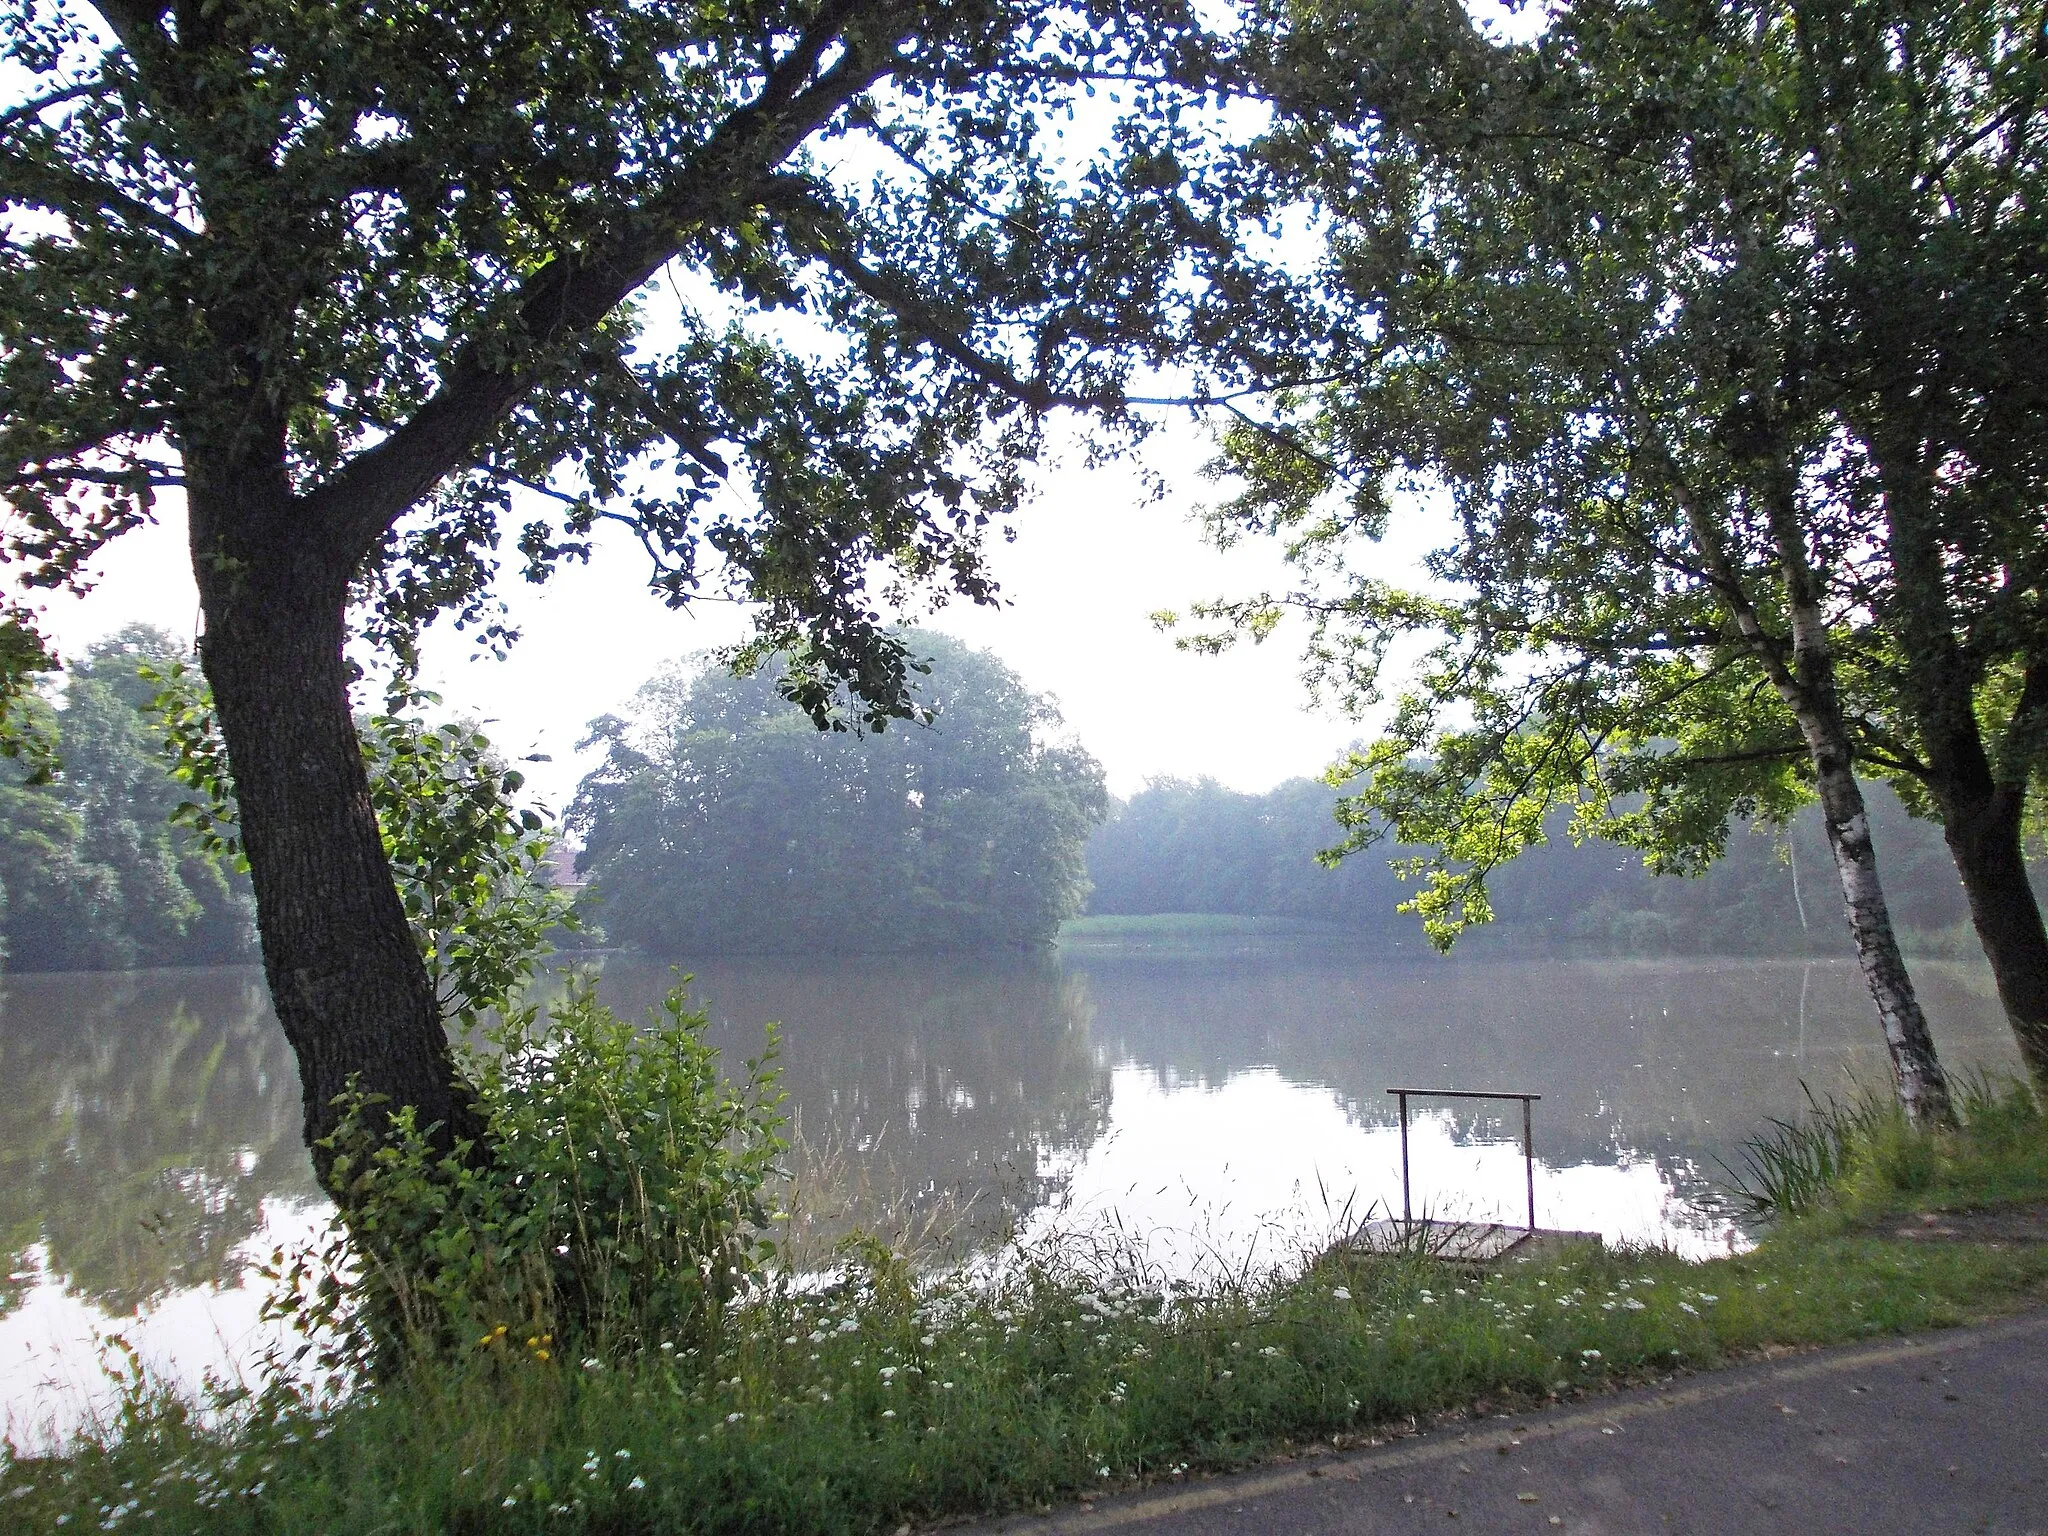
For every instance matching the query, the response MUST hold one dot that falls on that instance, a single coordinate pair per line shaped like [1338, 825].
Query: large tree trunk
[1983, 832]
[1981, 792]
[1802, 670]
[345, 976]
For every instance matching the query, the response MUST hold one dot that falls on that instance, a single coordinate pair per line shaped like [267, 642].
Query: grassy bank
[1203, 932]
[889, 1398]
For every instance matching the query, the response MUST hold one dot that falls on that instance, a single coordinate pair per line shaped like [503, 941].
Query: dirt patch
[1994, 1227]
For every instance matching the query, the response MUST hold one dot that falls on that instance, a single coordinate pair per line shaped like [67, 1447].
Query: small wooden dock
[1474, 1244]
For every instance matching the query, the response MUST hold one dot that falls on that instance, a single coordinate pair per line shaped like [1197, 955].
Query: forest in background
[720, 821]
[1198, 846]
[93, 874]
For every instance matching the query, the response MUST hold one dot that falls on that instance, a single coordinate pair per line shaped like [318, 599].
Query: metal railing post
[1407, 1213]
[1529, 1162]
[1528, 1141]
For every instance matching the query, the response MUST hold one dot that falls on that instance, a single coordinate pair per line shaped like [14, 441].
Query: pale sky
[1093, 558]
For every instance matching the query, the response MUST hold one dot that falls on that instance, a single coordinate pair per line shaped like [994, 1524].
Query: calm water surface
[1217, 1105]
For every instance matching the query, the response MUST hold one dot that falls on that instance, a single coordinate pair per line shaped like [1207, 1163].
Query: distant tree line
[1197, 846]
[93, 875]
[722, 821]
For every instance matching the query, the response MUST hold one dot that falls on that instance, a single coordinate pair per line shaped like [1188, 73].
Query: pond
[1219, 1103]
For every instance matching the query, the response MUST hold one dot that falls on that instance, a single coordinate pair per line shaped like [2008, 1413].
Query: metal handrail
[1528, 1139]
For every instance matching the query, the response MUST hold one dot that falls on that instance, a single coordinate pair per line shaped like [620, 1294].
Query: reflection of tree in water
[1677, 1059]
[951, 1076]
[148, 1115]
[146, 1118]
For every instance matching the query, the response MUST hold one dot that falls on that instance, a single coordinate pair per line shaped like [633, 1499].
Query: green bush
[620, 1203]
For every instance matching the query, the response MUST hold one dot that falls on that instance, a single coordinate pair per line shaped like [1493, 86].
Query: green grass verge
[1201, 928]
[888, 1399]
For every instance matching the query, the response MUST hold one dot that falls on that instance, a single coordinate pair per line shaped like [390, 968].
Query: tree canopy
[1643, 302]
[393, 293]
[412, 258]
[721, 821]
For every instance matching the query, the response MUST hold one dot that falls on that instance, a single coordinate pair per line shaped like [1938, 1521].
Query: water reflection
[1680, 1058]
[955, 1077]
[147, 1116]
[149, 1132]
[1224, 1103]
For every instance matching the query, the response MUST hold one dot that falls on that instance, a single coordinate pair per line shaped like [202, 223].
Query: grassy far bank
[889, 1397]
[1167, 934]
[1202, 931]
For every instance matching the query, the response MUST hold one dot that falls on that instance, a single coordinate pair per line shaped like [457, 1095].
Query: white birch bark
[1802, 671]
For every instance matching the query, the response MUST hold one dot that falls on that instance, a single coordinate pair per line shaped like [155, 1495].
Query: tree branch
[161, 475]
[66, 190]
[29, 109]
[1719, 759]
[943, 337]
[569, 294]
[690, 439]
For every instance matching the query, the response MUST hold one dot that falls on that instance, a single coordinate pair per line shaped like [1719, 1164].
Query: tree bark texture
[346, 977]
[1981, 794]
[1807, 685]
[1916, 1070]
[1984, 839]
[1801, 668]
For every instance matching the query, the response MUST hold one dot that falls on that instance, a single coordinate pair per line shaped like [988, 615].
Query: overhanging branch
[570, 294]
[66, 190]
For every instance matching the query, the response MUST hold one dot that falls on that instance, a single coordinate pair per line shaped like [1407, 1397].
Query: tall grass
[882, 1397]
[1863, 1156]
[1797, 1164]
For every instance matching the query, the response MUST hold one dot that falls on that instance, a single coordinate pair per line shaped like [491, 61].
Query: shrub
[619, 1204]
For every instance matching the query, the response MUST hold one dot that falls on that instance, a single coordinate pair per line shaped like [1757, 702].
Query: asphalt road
[1944, 1432]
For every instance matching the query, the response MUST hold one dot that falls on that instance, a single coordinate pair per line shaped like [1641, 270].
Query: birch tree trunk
[1807, 685]
[1916, 1070]
[1802, 670]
